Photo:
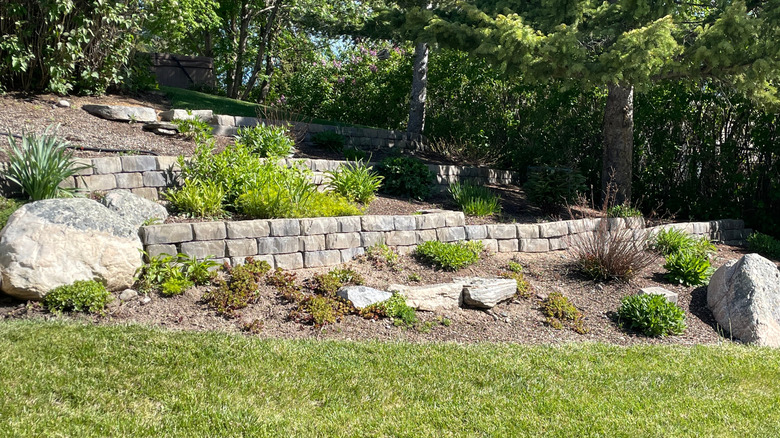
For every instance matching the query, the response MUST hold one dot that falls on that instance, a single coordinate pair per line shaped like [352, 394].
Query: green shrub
[406, 176]
[652, 315]
[688, 267]
[382, 255]
[449, 256]
[194, 129]
[395, 307]
[560, 312]
[328, 140]
[266, 141]
[623, 211]
[329, 283]
[175, 285]
[550, 188]
[172, 275]
[293, 196]
[347, 276]
[198, 198]
[670, 240]
[240, 288]
[760, 243]
[286, 284]
[515, 272]
[7, 208]
[328, 204]
[81, 296]
[354, 154]
[475, 200]
[39, 163]
[355, 181]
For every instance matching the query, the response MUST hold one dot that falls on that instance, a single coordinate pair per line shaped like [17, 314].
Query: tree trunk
[238, 69]
[618, 145]
[265, 42]
[419, 90]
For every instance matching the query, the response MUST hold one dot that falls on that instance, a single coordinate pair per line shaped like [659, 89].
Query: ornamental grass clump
[355, 181]
[687, 258]
[611, 251]
[474, 199]
[652, 315]
[39, 163]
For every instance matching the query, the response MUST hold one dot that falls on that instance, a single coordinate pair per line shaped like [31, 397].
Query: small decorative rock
[669, 295]
[363, 296]
[62, 103]
[485, 293]
[146, 300]
[161, 128]
[128, 294]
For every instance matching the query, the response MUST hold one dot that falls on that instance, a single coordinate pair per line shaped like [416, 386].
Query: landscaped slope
[83, 380]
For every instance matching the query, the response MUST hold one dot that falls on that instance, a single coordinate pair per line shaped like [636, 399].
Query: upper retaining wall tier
[310, 243]
[147, 175]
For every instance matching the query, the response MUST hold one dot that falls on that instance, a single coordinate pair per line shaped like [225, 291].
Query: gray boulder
[133, 208]
[744, 297]
[363, 296]
[444, 296]
[485, 293]
[58, 241]
[122, 113]
[161, 128]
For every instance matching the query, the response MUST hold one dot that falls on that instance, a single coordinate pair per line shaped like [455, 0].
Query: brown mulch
[517, 321]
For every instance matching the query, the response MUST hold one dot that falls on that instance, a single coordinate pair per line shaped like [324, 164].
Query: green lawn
[68, 379]
[195, 100]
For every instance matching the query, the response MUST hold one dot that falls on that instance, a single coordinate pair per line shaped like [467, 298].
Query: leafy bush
[329, 140]
[382, 255]
[194, 129]
[286, 283]
[670, 240]
[175, 285]
[234, 169]
[354, 154]
[449, 256]
[172, 275]
[515, 272]
[651, 314]
[81, 296]
[763, 244]
[621, 210]
[395, 307]
[40, 163]
[7, 208]
[475, 200]
[406, 176]
[610, 254]
[266, 141]
[62, 46]
[560, 312]
[328, 204]
[550, 188]
[198, 198]
[355, 181]
[688, 267]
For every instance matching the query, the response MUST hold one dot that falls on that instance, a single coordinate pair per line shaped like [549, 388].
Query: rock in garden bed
[122, 113]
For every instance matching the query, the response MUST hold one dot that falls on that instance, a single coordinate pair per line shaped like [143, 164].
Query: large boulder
[120, 113]
[444, 296]
[485, 293]
[133, 208]
[744, 297]
[58, 241]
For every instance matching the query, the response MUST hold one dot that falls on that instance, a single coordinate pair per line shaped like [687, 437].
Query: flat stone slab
[161, 128]
[122, 113]
[180, 114]
[363, 296]
[443, 296]
[485, 293]
[669, 295]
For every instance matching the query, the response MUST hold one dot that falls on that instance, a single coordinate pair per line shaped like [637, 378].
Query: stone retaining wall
[309, 243]
[146, 175]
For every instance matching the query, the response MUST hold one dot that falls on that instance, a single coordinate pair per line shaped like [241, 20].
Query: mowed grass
[68, 379]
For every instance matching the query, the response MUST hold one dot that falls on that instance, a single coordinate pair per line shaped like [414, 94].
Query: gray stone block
[139, 163]
[405, 223]
[180, 114]
[154, 179]
[476, 232]
[502, 231]
[316, 259]
[146, 192]
[223, 120]
[582, 225]
[558, 243]
[527, 231]
[348, 224]
[242, 121]
[342, 240]
[350, 253]
[490, 245]
[369, 239]
[167, 233]
[669, 295]
[289, 261]
[404, 238]
[106, 165]
[96, 182]
[509, 245]
[209, 230]
[426, 235]
[248, 229]
[430, 220]
[79, 162]
[534, 245]
[322, 225]
[553, 229]
[485, 293]
[451, 234]
[241, 247]
[155, 250]
[285, 227]
[278, 245]
[312, 243]
[454, 219]
[237, 261]
[166, 163]
[378, 223]
[203, 249]
[129, 180]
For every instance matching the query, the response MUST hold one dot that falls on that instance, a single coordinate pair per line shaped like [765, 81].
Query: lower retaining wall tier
[150, 176]
[317, 242]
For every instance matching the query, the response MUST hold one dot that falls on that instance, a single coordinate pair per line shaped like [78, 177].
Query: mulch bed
[517, 321]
